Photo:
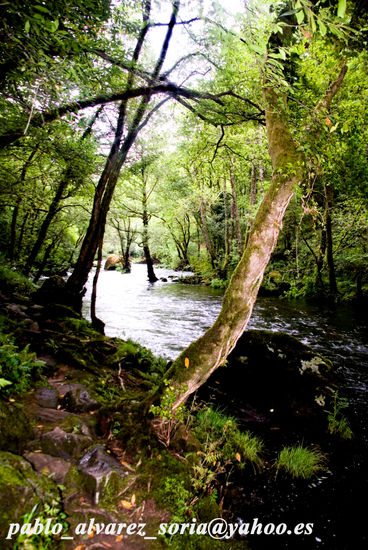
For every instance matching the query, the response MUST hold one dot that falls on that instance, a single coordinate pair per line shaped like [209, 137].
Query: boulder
[273, 379]
[46, 397]
[103, 474]
[64, 445]
[113, 261]
[49, 465]
[78, 399]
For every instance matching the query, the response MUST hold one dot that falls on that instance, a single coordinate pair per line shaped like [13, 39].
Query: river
[167, 316]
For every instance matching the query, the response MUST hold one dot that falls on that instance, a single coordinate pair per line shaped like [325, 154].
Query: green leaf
[341, 8]
[322, 27]
[4, 383]
[41, 8]
[300, 16]
[27, 26]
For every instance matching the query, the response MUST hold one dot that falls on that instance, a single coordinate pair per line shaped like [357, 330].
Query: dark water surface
[167, 316]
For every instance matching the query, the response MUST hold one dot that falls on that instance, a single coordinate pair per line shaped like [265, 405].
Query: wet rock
[47, 398]
[47, 464]
[103, 474]
[15, 428]
[273, 379]
[78, 399]
[21, 488]
[57, 299]
[163, 279]
[64, 445]
[16, 310]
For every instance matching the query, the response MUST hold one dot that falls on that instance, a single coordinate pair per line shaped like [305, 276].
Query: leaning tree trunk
[192, 368]
[201, 358]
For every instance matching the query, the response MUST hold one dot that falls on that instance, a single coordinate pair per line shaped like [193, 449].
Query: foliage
[19, 369]
[300, 462]
[13, 281]
[337, 422]
[223, 446]
[42, 541]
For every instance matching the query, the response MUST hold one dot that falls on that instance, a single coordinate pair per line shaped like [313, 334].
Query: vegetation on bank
[188, 474]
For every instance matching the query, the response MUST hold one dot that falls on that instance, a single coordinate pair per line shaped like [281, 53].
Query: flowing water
[166, 316]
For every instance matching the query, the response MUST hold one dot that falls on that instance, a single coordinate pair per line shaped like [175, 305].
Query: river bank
[109, 430]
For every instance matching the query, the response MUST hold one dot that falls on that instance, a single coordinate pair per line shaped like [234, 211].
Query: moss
[15, 428]
[14, 282]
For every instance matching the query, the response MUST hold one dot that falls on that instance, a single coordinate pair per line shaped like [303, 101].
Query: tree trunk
[211, 350]
[53, 209]
[117, 157]
[206, 236]
[201, 358]
[252, 199]
[329, 243]
[235, 213]
[150, 271]
[96, 322]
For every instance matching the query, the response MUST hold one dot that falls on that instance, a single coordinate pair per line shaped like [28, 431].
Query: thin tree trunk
[329, 243]
[150, 271]
[96, 322]
[321, 254]
[206, 236]
[13, 228]
[53, 210]
[252, 199]
[44, 260]
[235, 213]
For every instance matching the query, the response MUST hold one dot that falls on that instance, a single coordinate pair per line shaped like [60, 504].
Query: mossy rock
[273, 380]
[113, 261]
[21, 488]
[15, 428]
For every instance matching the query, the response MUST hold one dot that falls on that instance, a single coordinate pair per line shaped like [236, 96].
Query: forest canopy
[140, 128]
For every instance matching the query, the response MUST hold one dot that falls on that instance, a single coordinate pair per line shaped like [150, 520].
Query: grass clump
[301, 462]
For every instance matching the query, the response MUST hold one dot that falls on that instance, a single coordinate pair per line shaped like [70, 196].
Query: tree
[197, 362]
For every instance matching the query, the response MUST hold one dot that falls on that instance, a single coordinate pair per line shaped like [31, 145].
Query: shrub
[301, 462]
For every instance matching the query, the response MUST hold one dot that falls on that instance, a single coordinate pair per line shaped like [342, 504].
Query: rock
[17, 311]
[21, 488]
[54, 291]
[103, 474]
[113, 261]
[163, 279]
[47, 398]
[47, 464]
[64, 445]
[273, 379]
[78, 399]
[15, 428]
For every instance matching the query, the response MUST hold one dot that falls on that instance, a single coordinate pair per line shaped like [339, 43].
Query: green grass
[301, 462]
